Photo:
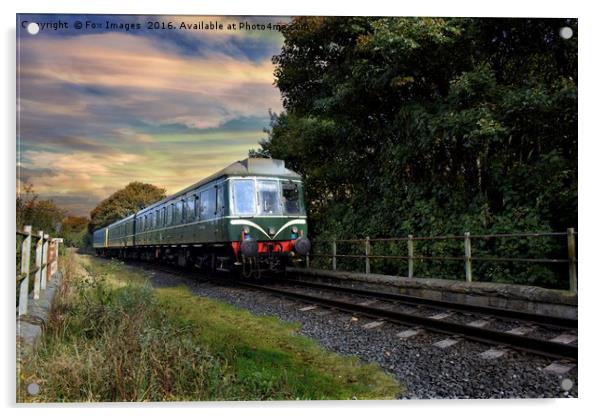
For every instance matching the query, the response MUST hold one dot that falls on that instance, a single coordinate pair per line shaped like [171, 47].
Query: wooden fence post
[467, 257]
[367, 255]
[410, 256]
[50, 260]
[334, 255]
[38, 276]
[57, 242]
[572, 252]
[44, 263]
[25, 259]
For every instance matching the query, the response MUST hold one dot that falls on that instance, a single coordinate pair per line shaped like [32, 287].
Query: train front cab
[268, 223]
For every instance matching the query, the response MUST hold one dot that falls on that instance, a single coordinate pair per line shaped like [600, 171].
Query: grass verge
[112, 337]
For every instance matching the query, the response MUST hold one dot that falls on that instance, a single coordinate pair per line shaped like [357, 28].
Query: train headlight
[249, 247]
[302, 245]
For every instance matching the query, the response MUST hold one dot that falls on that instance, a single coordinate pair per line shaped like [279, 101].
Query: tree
[74, 231]
[40, 214]
[430, 126]
[124, 202]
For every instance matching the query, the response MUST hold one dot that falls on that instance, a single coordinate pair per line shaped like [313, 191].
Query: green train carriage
[249, 217]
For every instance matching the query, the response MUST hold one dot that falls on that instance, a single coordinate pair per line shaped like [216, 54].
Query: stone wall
[551, 302]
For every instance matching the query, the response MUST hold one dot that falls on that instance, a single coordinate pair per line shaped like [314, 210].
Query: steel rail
[557, 322]
[523, 343]
[487, 336]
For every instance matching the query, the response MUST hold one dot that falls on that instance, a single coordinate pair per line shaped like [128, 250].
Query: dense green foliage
[75, 231]
[112, 337]
[124, 202]
[433, 127]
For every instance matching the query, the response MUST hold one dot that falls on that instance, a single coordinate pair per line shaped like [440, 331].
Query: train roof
[248, 167]
[253, 167]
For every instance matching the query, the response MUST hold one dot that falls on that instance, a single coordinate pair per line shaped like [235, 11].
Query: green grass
[113, 337]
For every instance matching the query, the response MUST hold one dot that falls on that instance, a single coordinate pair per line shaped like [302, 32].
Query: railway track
[494, 337]
[550, 321]
[499, 338]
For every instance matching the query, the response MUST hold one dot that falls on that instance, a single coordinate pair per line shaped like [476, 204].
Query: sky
[98, 107]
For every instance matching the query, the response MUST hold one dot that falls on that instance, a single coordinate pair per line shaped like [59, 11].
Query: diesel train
[248, 219]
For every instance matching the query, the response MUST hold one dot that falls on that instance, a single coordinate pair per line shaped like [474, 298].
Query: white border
[589, 191]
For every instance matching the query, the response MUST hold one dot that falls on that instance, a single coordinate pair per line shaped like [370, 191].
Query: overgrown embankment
[112, 337]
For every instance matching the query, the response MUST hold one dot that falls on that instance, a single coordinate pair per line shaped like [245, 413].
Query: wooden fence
[466, 240]
[46, 264]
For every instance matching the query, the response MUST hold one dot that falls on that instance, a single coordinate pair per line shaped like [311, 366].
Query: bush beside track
[113, 337]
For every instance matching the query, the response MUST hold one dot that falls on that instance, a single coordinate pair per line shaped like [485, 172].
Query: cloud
[90, 177]
[97, 111]
[133, 71]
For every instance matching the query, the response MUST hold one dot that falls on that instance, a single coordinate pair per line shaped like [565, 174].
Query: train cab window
[269, 198]
[290, 198]
[243, 196]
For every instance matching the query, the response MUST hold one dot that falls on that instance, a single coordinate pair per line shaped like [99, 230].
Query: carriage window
[163, 216]
[207, 204]
[184, 213]
[269, 197]
[290, 198]
[197, 206]
[219, 205]
[178, 213]
[243, 193]
[190, 214]
[169, 214]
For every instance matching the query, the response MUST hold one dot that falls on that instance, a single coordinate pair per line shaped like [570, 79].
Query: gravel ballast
[426, 370]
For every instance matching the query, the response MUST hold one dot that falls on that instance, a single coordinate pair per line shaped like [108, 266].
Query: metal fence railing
[45, 265]
[467, 244]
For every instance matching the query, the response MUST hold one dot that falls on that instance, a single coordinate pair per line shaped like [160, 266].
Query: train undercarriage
[215, 258]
